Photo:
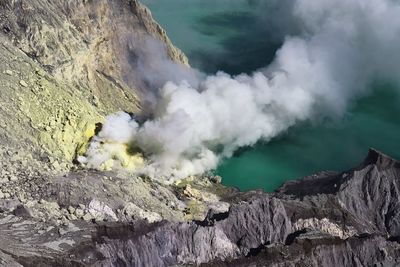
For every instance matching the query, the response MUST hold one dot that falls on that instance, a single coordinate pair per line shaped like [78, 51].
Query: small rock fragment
[216, 179]
[132, 211]
[79, 213]
[23, 83]
[13, 178]
[87, 217]
[100, 211]
[71, 217]
[71, 210]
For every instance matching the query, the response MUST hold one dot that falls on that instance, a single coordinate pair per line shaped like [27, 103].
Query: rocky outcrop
[316, 249]
[310, 222]
[365, 197]
[77, 39]
[67, 64]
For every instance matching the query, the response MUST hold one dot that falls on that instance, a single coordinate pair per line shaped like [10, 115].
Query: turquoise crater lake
[231, 36]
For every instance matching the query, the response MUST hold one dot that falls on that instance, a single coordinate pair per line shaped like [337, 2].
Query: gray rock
[132, 211]
[100, 211]
[324, 216]
[257, 224]
[79, 213]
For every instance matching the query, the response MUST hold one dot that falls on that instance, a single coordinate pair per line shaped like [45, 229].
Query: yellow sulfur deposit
[107, 156]
[122, 159]
[88, 134]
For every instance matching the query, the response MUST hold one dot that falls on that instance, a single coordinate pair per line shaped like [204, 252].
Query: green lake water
[229, 35]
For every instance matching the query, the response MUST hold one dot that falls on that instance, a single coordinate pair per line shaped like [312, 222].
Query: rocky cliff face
[66, 64]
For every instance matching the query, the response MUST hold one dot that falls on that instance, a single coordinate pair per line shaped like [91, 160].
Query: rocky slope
[329, 219]
[64, 67]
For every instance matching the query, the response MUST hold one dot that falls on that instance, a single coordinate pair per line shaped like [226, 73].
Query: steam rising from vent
[343, 47]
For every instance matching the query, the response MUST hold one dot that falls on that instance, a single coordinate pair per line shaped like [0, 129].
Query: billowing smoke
[153, 68]
[344, 46]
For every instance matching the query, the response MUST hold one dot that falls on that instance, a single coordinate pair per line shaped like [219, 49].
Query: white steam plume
[344, 46]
